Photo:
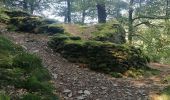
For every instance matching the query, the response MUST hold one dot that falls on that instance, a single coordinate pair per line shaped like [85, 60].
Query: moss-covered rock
[4, 18]
[111, 31]
[101, 56]
[16, 13]
[50, 29]
[26, 24]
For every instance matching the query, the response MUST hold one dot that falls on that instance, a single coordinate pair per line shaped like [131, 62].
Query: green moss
[16, 13]
[100, 56]
[50, 29]
[26, 24]
[112, 32]
[4, 18]
[55, 28]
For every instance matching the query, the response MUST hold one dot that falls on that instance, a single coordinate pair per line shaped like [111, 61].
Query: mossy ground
[22, 70]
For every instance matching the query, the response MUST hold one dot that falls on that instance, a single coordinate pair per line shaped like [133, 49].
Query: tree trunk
[83, 16]
[25, 5]
[130, 31]
[167, 9]
[101, 9]
[69, 11]
[32, 8]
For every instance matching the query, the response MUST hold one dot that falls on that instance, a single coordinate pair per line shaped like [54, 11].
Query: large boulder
[112, 32]
[17, 13]
[50, 29]
[101, 56]
[26, 24]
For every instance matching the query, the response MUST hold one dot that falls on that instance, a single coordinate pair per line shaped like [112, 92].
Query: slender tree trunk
[167, 9]
[32, 8]
[65, 19]
[83, 16]
[130, 31]
[69, 11]
[101, 9]
[25, 5]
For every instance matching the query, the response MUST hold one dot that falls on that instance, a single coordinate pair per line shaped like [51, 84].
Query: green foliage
[166, 80]
[116, 75]
[31, 97]
[24, 71]
[33, 84]
[7, 46]
[4, 18]
[4, 97]
[27, 61]
[165, 94]
[12, 28]
[156, 42]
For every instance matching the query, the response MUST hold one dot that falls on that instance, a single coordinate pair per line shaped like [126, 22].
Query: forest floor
[77, 83]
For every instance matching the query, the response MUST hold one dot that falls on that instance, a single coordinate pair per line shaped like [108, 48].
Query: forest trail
[75, 83]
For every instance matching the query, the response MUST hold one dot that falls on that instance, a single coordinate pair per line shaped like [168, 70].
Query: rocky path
[75, 83]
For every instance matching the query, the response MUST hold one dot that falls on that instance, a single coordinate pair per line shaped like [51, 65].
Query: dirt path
[74, 83]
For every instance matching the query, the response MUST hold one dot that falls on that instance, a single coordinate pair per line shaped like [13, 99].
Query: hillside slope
[77, 83]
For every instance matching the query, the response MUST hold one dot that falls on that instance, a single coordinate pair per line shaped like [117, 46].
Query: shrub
[27, 61]
[41, 74]
[33, 84]
[22, 70]
[31, 97]
[4, 18]
[165, 94]
[4, 97]
[12, 28]
[6, 46]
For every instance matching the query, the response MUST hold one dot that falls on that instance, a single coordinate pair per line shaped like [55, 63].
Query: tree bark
[83, 16]
[101, 10]
[32, 8]
[25, 5]
[69, 11]
[130, 30]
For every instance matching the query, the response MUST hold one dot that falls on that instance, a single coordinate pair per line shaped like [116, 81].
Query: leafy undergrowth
[165, 94]
[21, 71]
[138, 73]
